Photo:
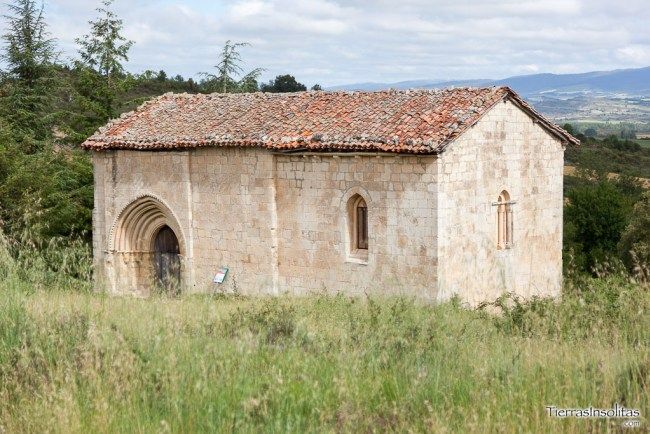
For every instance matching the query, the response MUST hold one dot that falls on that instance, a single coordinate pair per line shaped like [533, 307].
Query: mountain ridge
[625, 82]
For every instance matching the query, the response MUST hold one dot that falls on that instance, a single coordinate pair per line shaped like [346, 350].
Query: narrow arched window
[358, 227]
[362, 224]
[504, 221]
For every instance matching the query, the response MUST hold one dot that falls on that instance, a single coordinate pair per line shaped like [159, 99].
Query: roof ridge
[434, 90]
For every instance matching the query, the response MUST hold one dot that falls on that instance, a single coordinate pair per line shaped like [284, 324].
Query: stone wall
[233, 200]
[505, 150]
[277, 222]
[219, 209]
[122, 178]
[312, 196]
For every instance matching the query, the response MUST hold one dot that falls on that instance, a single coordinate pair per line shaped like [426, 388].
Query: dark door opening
[167, 261]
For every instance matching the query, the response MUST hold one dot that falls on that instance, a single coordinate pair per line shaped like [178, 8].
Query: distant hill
[410, 84]
[620, 82]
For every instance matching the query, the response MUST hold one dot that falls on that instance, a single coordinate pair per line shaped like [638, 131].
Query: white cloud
[338, 41]
[636, 54]
[249, 9]
[531, 68]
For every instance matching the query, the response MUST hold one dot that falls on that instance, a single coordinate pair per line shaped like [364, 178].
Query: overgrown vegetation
[318, 363]
[600, 227]
[622, 130]
[605, 226]
[610, 155]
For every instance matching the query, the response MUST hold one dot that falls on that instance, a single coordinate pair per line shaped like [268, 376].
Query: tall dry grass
[74, 361]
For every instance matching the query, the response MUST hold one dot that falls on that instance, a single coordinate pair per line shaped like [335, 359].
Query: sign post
[221, 275]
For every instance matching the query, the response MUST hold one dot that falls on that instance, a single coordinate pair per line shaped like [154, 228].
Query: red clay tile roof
[414, 121]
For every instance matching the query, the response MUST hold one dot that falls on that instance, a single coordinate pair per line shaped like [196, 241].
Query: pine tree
[29, 82]
[229, 69]
[101, 72]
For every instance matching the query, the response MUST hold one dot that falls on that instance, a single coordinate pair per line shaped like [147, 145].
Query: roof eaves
[549, 126]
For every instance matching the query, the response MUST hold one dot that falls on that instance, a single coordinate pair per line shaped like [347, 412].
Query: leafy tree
[248, 83]
[229, 64]
[28, 87]
[192, 85]
[595, 217]
[591, 132]
[101, 73]
[283, 83]
[45, 189]
[316, 87]
[147, 75]
[162, 76]
[229, 72]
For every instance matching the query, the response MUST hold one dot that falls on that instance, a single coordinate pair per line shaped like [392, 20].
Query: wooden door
[167, 261]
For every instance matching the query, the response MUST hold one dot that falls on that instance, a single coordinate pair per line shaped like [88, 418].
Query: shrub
[634, 246]
[595, 217]
[52, 262]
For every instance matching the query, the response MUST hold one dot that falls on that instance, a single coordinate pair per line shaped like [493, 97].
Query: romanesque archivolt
[148, 245]
[136, 226]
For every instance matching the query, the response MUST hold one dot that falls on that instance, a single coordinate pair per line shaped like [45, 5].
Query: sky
[337, 42]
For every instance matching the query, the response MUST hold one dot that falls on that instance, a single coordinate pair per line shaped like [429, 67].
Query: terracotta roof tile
[414, 121]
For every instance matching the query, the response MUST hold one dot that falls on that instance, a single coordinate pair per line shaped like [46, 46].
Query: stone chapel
[424, 193]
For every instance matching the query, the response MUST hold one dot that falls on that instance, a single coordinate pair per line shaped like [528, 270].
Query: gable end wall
[505, 150]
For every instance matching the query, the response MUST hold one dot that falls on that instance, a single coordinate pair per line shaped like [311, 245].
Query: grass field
[73, 361]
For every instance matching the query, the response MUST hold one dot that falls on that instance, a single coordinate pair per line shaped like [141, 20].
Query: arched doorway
[167, 261]
[148, 249]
